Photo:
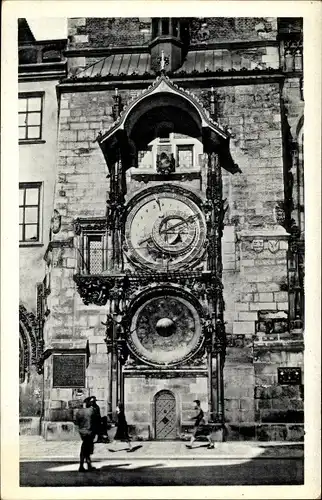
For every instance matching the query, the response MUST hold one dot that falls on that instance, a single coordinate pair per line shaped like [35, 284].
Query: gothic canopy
[163, 104]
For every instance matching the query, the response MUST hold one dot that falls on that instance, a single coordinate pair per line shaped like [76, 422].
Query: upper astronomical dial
[165, 231]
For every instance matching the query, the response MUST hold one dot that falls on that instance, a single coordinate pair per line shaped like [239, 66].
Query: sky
[49, 28]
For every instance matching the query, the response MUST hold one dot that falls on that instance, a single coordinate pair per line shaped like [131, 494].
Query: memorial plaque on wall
[69, 370]
[290, 376]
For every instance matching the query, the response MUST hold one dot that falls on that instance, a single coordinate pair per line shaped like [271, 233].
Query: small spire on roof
[163, 61]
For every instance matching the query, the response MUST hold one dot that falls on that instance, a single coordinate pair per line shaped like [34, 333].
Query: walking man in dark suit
[85, 421]
[97, 421]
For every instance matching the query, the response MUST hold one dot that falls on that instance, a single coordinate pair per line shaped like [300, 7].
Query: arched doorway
[165, 415]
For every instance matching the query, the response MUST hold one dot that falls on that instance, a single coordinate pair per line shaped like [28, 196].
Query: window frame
[185, 147]
[25, 186]
[87, 238]
[30, 95]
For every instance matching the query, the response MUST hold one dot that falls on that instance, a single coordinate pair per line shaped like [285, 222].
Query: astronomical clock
[165, 229]
[165, 235]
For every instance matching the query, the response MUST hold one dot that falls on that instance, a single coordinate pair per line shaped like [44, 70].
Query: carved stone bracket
[88, 224]
[98, 290]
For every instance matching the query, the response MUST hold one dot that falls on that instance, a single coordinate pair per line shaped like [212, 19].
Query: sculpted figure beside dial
[165, 231]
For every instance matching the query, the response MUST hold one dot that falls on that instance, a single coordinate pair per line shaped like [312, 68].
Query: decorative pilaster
[115, 339]
[114, 216]
[214, 208]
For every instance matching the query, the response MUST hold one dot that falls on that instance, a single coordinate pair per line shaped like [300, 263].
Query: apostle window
[185, 156]
[30, 117]
[29, 212]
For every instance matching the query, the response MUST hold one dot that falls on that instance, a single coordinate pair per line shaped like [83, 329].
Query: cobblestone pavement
[36, 448]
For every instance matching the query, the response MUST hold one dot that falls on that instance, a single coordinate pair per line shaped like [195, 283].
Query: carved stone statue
[165, 163]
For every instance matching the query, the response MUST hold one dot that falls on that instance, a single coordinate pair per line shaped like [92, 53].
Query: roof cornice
[42, 71]
[129, 49]
[206, 79]
[106, 51]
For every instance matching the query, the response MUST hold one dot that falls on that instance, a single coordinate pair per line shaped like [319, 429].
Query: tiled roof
[118, 65]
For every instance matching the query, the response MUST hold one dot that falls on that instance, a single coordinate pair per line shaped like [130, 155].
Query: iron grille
[95, 254]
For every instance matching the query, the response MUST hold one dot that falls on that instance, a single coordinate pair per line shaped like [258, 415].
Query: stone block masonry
[254, 264]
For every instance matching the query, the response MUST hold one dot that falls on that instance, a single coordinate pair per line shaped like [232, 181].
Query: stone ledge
[276, 232]
[59, 431]
[291, 432]
[277, 345]
[29, 426]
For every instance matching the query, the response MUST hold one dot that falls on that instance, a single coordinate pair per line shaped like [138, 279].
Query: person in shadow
[122, 432]
[85, 421]
[98, 424]
[200, 428]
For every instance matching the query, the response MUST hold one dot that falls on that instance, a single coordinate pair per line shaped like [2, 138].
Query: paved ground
[166, 473]
[162, 463]
[36, 448]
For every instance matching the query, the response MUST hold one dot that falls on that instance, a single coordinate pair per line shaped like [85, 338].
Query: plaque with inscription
[69, 370]
[288, 375]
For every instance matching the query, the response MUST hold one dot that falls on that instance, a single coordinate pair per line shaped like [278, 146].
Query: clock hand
[189, 219]
[165, 231]
[158, 203]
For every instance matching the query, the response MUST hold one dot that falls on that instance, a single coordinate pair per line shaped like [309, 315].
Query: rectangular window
[29, 212]
[30, 117]
[145, 158]
[185, 156]
[165, 27]
[94, 253]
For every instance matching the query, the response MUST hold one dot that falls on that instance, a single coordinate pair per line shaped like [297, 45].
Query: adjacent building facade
[41, 65]
[174, 267]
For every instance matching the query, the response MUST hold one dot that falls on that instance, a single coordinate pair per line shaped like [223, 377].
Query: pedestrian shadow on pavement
[134, 448]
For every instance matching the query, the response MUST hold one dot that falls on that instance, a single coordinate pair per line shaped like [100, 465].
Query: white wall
[37, 163]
